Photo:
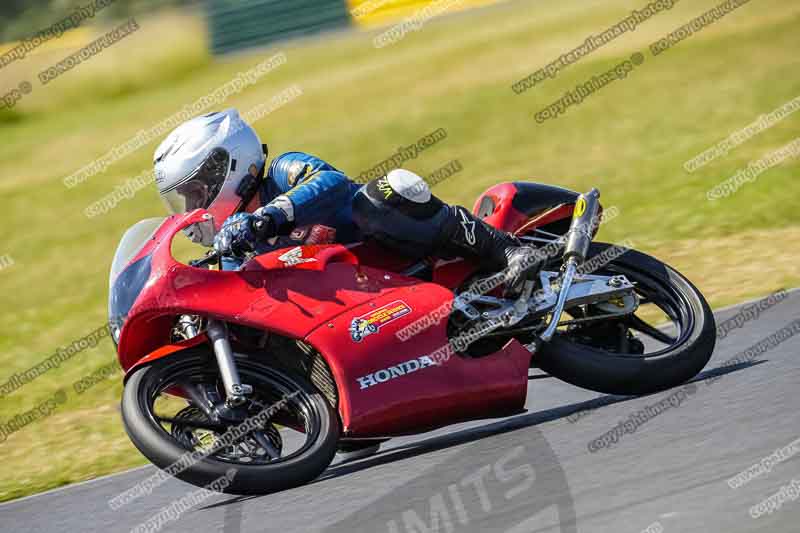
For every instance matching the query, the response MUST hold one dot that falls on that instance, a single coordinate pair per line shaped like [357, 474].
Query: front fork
[235, 391]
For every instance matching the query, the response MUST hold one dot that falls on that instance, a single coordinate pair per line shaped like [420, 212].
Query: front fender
[165, 351]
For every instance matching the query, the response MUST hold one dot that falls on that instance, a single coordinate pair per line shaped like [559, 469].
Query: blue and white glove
[241, 232]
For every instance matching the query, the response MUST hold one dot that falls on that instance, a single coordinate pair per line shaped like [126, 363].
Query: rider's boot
[464, 234]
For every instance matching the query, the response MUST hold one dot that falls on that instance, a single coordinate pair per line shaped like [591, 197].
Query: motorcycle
[301, 352]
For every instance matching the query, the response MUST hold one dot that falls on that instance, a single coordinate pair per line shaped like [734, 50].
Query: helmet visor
[200, 187]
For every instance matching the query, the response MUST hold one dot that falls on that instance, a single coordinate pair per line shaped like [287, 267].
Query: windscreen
[127, 279]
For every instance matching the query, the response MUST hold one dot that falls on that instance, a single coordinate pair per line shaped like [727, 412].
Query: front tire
[614, 373]
[163, 449]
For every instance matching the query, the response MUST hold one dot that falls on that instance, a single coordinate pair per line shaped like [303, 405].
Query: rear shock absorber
[579, 239]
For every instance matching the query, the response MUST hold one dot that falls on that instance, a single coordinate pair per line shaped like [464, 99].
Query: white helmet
[201, 164]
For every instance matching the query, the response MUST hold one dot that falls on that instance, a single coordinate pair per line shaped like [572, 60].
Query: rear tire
[611, 373]
[163, 450]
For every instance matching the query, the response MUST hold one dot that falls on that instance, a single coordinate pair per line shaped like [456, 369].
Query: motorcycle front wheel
[285, 435]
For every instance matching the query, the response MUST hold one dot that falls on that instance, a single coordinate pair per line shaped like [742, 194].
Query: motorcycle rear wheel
[598, 369]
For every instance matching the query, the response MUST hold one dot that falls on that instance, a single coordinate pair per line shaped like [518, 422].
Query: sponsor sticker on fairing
[295, 257]
[369, 323]
[394, 372]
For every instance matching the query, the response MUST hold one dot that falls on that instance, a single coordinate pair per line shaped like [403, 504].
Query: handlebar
[211, 257]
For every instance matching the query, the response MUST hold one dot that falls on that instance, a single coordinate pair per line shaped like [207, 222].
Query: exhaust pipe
[579, 238]
[584, 220]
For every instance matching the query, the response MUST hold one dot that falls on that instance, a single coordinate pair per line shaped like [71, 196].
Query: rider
[217, 162]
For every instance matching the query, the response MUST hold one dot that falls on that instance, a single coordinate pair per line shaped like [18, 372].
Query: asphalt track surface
[532, 472]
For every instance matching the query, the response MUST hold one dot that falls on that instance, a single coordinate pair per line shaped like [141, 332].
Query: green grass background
[359, 104]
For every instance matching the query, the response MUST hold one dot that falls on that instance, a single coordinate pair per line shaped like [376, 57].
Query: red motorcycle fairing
[390, 387]
[496, 207]
[316, 294]
[520, 207]
[289, 296]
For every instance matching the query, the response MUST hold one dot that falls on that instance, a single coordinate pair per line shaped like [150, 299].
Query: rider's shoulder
[288, 159]
[294, 156]
[292, 167]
